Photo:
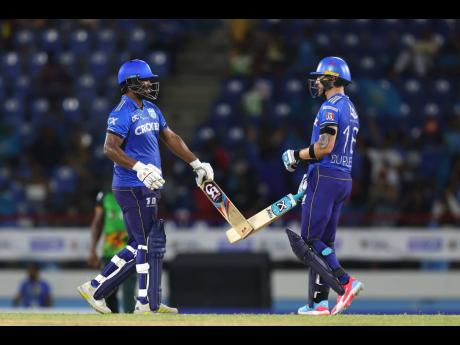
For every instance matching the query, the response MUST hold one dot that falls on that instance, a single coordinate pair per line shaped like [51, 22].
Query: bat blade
[267, 216]
[226, 208]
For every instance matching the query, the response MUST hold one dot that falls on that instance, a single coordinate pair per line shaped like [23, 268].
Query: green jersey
[114, 231]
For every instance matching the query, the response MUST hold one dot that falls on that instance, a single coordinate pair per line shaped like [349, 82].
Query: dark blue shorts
[140, 211]
[326, 192]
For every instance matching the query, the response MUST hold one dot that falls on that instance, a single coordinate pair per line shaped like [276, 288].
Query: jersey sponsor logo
[330, 116]
[213, 192]
[147, 127]
[152, 113]
[112, 120]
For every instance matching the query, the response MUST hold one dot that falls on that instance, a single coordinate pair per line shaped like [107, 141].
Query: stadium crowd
[58, 84]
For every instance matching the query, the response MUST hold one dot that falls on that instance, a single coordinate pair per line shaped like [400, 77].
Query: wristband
[138, 166]
[311, 151]
[195, 164]
[297, 155]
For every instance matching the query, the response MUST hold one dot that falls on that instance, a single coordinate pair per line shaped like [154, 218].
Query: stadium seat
[36, 62]
[13, 112]
[71, 109]
[159, 62]
[98, 113]
[63, 181]
[80, 42]
[106, 41]
[234, 87]
[69, 62]
[38, 109]
[10, 65]
[51, 41]
[22, 87]
[23, 39]
[99, 65]
[293, 88]
[86, 87]
[137, 41]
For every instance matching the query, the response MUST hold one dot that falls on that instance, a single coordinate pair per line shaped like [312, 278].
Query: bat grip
[299, 195]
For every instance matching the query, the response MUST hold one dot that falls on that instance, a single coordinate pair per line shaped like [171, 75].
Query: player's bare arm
[96, 231]
[177, 146]
[322, 147]
[175, 143]
[112, 149]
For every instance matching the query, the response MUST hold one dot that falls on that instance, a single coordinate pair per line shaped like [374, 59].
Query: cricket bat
[267, 215]
[227, 209]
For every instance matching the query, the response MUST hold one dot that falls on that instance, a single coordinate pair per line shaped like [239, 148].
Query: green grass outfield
[37, 319]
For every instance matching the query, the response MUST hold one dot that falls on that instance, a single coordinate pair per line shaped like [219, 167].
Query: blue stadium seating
[23, 39]
[160, 63]
[80, 42]
[51, 41]
[13, 112]
[71, 109]
[36, 62]
[86, 87]
[99, 65]
[10, 65]
[137, 41]
[69, 62]
[106, 41]
[63, 181]
[22, 87]
[39, 107]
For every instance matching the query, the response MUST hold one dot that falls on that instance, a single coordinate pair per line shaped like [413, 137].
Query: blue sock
[329, 255]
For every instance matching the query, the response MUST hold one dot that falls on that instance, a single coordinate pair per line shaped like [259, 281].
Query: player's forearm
[96, 231]
[179, 148]
[319, 152]
[117, 155]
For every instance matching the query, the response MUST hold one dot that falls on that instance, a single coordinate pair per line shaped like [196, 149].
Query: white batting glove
[290, 163]
[303, 184]
[203, 171]
[149, 174]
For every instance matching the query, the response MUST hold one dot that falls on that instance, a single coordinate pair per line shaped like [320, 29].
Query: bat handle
[299, 195]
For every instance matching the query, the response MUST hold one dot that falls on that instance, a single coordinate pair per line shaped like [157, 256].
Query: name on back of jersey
[346, 161]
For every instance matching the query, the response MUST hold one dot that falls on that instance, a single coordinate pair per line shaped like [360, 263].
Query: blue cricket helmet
[134, 68]
[334, 66]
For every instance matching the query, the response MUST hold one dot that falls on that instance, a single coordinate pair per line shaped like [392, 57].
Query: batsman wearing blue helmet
[134, 128]
[327, 184]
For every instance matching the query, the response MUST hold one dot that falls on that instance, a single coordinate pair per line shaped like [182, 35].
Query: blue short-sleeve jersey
[337, 111]
[139, 128]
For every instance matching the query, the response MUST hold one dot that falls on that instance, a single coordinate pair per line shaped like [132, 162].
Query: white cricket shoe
[145, 309]
[87, 292]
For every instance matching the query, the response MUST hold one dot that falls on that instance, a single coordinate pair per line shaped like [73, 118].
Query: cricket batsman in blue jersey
[134, 128]
[327, 184]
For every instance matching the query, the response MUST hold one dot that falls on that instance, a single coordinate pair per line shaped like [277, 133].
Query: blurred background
[236, 91]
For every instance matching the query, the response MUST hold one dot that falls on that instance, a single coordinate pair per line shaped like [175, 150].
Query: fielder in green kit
[108, 218]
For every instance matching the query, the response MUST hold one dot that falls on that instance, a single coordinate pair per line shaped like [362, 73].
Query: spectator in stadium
[421, 52]
[108, 219]
[33, 291]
